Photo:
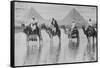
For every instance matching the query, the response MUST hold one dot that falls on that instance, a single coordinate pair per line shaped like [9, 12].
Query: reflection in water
[72, 50]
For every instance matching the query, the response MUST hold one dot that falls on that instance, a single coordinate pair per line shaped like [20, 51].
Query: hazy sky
[47, 11]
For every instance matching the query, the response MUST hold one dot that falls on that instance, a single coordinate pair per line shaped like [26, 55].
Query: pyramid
[27, 17]
[73, 16]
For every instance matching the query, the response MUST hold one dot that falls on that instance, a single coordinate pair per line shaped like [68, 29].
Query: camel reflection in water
[35, 42]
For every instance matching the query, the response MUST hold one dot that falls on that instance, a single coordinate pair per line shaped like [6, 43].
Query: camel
[74, 34]
[32, 32]
[55, 31]
[90, 32]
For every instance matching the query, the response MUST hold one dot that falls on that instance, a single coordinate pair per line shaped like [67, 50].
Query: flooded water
[27, 53]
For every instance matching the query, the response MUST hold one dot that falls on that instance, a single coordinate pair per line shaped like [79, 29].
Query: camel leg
[40, 49]
[51, 41]
[93, 49]
[93, 44]
[90, 49]
[28, 50]
[88, 44]
[50, 51]
[78, 41]
[96, 42]
[58, 51]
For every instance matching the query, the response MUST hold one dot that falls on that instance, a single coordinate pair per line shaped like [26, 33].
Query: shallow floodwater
[49, 49]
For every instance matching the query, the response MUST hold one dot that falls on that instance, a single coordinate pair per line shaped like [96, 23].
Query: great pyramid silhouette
[75, 16]
[27, 17]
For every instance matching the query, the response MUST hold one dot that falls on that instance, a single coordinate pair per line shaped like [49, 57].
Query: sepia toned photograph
[47, 33]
